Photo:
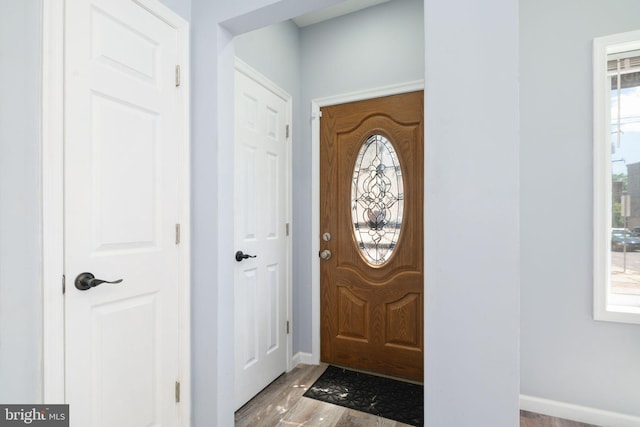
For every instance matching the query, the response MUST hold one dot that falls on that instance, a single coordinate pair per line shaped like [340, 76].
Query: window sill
[618, 313]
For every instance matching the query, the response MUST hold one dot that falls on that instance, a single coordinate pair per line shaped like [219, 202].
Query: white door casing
[125, 188]
[261, 206]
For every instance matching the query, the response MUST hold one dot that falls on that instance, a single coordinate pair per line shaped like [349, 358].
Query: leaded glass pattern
[377, 199]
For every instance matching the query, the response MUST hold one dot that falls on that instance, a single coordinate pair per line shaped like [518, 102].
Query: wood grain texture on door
[372, 312]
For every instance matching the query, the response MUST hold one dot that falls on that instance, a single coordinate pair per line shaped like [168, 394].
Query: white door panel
[121, 207]
[261, 201]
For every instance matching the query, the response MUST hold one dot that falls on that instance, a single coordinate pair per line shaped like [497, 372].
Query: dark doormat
[384, 397]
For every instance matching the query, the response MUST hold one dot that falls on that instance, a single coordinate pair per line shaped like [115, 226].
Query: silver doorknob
[326, 254]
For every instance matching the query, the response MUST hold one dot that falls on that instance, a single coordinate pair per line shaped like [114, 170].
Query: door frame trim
[255, 75]
[316, 104]
[52, 201]
[52, 187]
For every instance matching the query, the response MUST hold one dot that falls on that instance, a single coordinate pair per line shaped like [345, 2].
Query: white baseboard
[301, 357]
[579, 413]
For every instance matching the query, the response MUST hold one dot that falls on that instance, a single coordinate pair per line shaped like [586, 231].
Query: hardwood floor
[282, 404]
[529, 419]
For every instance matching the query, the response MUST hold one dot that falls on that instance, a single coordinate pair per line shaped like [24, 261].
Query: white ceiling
[343, 8]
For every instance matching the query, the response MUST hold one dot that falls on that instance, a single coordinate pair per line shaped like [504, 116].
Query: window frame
[605, 307]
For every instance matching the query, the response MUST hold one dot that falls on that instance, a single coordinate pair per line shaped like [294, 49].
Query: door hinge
[177, 234]
[287, 131]
[287, 327]
[177, 75]
[286, 228]
[64, 285]
[177, 391]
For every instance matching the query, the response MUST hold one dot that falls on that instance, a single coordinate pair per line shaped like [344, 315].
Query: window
[617, 177]
[377, 199]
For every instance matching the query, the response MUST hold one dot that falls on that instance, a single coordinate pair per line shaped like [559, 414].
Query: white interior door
[260, 206]
[122, 204]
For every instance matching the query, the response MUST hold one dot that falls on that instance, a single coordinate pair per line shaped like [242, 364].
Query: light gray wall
[20, 244]
[566, 355]
[181, 7]
[471, 235]
[274, 51]
[378, 46]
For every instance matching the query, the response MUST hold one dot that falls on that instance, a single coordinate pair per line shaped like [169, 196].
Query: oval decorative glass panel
[377, 199]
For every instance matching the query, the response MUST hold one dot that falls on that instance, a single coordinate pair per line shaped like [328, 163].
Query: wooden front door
[371, 220]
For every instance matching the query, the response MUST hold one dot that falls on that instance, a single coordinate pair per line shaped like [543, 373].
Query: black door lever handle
[240, 256]
[86, 281]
